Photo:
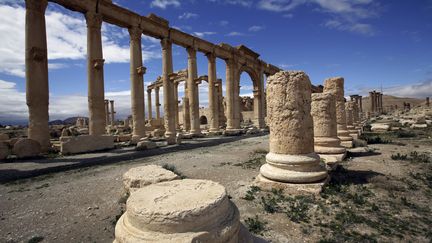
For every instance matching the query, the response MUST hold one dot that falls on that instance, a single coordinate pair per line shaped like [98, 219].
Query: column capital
[94, 20]
[191, 52]
[156, 89]
[211, 57]
[135, 33]
[149, 91]
[166, 43]
[36, 5]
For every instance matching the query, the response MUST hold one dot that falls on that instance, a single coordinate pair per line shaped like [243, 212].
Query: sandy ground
[82, 204]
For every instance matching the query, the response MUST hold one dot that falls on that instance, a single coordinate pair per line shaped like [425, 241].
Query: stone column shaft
[168, 86]
[107, 113]
[137, 82]
[214, 115]
[95, 74]
[36, 62]
[112, 113]
[176, 106]
[259, 103]
[149, 104]
[157, 103]
[229, 97]
[193, 91]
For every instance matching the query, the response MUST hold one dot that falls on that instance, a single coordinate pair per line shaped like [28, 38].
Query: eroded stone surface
[179, 211]
[25, 148]
[86, 143]
[4, 150]
[139, 177]
[291, 158]
[4, 137]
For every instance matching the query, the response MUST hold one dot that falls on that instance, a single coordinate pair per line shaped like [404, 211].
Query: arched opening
[249, 84]
[203, 120]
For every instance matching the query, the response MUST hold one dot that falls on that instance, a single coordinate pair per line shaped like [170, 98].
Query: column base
[332, 160]
[347, 144]
[232, 132]
[290, 189]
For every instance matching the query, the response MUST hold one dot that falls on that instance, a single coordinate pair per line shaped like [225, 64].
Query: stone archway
[203, 120]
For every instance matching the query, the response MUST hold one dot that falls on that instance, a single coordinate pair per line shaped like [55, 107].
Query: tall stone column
[372, 102]
[112, 113]
[176, 107]
[186, 114]
[381, 102]
[237, 100]
[327, 144]
[214, 116]
[259, 102]
[149, 104]
[36, 63]
[157, 103]
[427, 102]
[169, 110]
[107, 113]
[192, 92]
[219, 103]
[229, 97]
[137, 83]
[291, 164]
[336, 87]
[95, 74]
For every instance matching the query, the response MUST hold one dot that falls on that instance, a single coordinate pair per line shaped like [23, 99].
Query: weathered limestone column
[221, 109]
[176, 107]
[95, 74]
[107, 113]
[186, 114]
[381, 102]
[137, 83]
[349, 109]
[292, 164]
[336, 87]
[36, 62]
[112, 113]
[326, 142]
[157, 103]
[149, 104]
[427, 102]
[259, 102]
[237, 100]
[372, 102]
[193, 92]
[213, 107]
[169, 110]
[356, 118]
[229, 76]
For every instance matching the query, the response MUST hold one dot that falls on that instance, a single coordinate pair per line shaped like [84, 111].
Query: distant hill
[389, 100]
[67, 121]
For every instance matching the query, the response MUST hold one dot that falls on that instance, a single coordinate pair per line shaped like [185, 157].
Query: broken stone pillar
[137, 83]
[168, 88]
[36, 63]
[107, 113]
[193, 92]
[349, 109]
[95, 74]
[149, 104]
[158, 105]
[214, 116]
[326, 141]
[372, 102]
[427, 102]
[291, 164]
[336, 87]
[180, 211]
[112, 112]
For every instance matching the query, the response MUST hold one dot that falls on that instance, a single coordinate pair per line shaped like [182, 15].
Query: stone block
[139, 177]
[26, 148]
[86, 143]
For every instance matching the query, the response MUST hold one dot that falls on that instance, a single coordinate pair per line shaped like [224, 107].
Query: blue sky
[371, 43]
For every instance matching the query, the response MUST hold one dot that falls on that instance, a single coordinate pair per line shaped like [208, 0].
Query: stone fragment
[139, 177]
[4, 150]
[144, 145]
[379, 127]
[26, 148]
[327, 144]
[86, 143]
[291, 164]
[180, 211]
[4, 137]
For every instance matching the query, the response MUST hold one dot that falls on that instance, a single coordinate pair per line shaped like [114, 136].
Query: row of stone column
[109, 112]
[376, 102]
[303, 126]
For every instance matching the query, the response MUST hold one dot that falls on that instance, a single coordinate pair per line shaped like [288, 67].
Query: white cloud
[235, 33]
[66, 38]
[163, 4]
[416, 90]
[12, 102]
[256, 28]
[203, 34]
[188, 15]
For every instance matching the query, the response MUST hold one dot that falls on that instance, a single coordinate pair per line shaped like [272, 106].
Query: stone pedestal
[180, 211]
[335, 86]
[349, 109]
[326, 142]
[291, 159]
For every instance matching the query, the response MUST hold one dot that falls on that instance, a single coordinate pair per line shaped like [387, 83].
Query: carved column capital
[94, 20]
[211, 57]
[191, 52]
[36, 5]
[166, 43]
[135, 33]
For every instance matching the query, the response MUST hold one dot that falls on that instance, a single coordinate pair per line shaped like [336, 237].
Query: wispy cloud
[256, 28]
[203, 34]
[416, 90]
[188, 15]
[235, 33]
[163, 4]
